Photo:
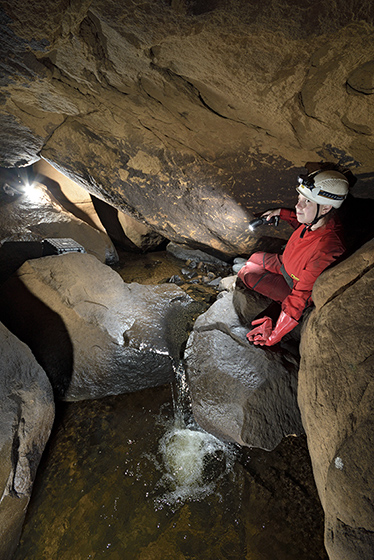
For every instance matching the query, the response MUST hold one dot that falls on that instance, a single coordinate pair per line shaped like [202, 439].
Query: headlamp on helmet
[324, 187]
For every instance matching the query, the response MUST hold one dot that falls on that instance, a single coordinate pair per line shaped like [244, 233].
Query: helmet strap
[316, 219]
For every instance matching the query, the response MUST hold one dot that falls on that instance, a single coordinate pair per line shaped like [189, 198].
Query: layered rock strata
[188, 115]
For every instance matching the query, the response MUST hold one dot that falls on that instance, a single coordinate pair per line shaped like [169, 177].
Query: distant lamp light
[32, 191]
[17, 182]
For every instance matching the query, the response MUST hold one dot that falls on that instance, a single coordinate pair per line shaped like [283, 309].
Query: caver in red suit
[289, 278]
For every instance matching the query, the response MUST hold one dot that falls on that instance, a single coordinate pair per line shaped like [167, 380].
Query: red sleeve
[300, 297]
[290, 217]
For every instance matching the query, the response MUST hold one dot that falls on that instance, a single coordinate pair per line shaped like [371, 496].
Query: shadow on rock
[41, 329]
[357, 218]
[14, 253]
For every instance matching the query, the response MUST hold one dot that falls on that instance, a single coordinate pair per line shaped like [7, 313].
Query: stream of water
[132, 477]
[121, 481]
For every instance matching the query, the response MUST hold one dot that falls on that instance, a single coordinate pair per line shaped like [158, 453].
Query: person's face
[305, 210]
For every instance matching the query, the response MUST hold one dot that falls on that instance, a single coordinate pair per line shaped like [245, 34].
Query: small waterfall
[182, 404]
[194, 460]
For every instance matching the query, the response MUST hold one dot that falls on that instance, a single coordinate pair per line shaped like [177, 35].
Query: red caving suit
[289, 278]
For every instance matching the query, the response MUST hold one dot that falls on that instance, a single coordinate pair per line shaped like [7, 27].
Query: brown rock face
[335, 394]
[188, 115]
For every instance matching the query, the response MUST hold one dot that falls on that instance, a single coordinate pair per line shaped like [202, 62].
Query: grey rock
[239, 392]
[176, 279]
[26, 418]
[227, 284]
[188, 272]
[215, 282]
[93, 334]
[187, 253]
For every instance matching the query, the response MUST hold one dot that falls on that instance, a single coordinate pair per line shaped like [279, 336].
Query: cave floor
[101, 490]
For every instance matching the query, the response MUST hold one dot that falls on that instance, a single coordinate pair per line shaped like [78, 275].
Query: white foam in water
[183, 455]
[193, 460]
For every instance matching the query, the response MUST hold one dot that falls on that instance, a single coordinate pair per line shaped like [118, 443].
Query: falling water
[106, 490]
[182, 404]
[133, 477]
[194, 460]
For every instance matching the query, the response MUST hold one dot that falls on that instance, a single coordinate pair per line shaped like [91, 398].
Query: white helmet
[324, 187]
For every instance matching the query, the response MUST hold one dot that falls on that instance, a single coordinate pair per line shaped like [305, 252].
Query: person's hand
[271, 213]
[261, 333]
[284, 325]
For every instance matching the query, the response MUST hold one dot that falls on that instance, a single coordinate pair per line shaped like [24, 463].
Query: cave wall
[189, 115]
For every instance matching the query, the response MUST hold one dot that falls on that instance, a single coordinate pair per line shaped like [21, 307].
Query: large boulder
[93, 334]
[26, 418]
[336, 395]
[240, 392]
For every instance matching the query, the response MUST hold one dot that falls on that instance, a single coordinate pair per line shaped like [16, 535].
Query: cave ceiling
[189, 115]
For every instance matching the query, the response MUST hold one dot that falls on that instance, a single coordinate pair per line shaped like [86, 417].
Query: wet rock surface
[159, 268]
[335, 398]
[26, 418]
[189, 117]
[240, 392]
[248, 304]
[93, 334]
[102, 488]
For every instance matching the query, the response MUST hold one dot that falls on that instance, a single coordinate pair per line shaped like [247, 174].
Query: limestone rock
[71, 196]
[336, 393]
[361, 79]
[188, 116]
[336, 279]
[240, 392]
[93, 334]
[227, 284]
[143, 237]
[248, 304]
[26, 418]
[184, 252]
[130, 233]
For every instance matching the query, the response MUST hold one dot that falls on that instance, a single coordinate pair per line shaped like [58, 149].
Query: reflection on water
[104, 491]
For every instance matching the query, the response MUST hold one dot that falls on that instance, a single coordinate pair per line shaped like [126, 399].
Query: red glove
[284, 325]
[264, 333]
[260, 334]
